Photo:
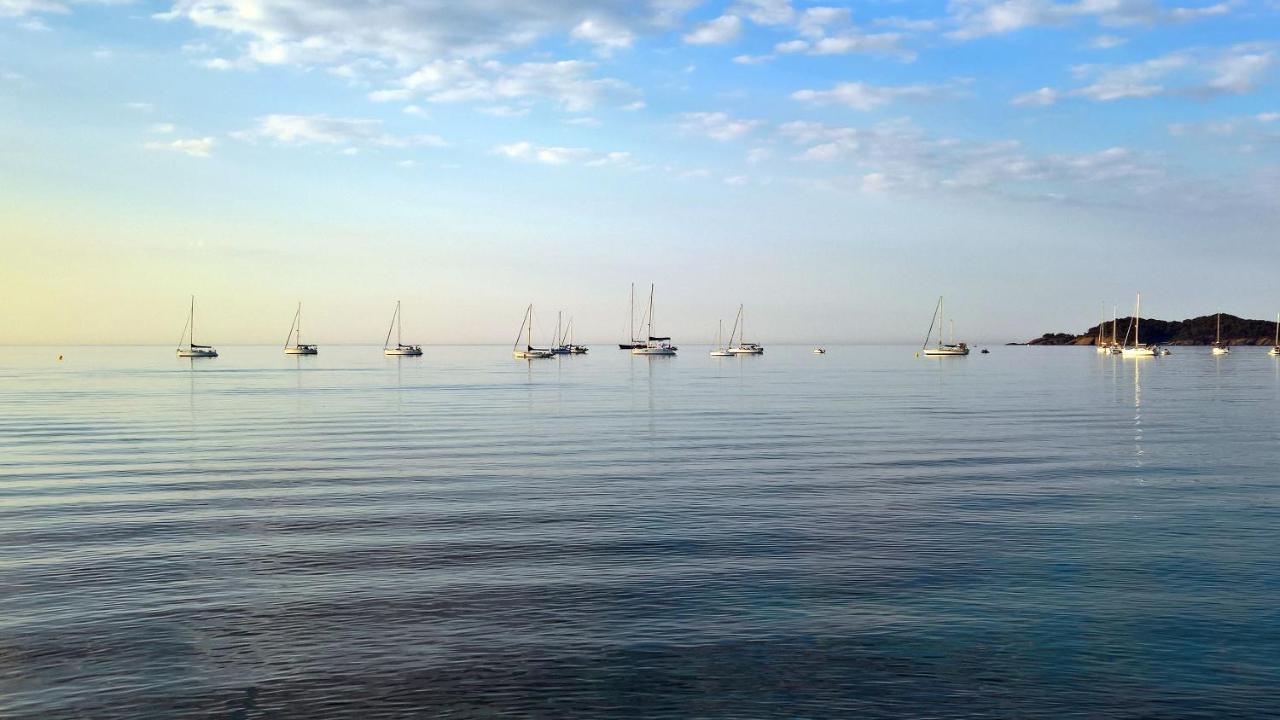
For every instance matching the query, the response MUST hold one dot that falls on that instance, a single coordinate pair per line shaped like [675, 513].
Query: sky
[834, 167]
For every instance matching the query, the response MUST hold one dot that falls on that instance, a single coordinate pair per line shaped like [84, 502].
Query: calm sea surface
[1038, 532]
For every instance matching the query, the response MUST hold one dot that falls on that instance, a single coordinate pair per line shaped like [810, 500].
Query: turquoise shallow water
[1038, 532]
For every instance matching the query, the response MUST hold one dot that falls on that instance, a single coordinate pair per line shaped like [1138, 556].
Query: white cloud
[1106, 42]
[722, 30]
[1268, 117]
[716, 125]
[755, 156]
[737, 180]
[866, 97]
[163, 128]
[194, 147]
[792, 46]
[899, 156]
[830, 31]
[325, 130]
[606, 35]
[505, 111]
[1043, 97]
[1235, 70]
[526, 151]
[413, 32]
[566, 83]
[752, 59]
[765, 12]
[978, 18]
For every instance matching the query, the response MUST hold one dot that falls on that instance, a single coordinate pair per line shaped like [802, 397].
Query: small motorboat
[819, 351]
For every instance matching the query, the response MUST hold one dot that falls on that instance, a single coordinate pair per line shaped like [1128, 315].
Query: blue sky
[835, 167]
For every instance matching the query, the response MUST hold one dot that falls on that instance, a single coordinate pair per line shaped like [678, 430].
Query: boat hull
[946, 352]
[746, 351]
[653, 351]
[402, 352]
[1139, 352]
[302, 350]
[197, 353]
[531, 354]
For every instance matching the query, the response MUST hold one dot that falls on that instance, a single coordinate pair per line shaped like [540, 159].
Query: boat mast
[632, 326]
[1114, 332]
[1137, 320]
[559, 340]
[398, 339]
[650, 311]
[1218, 333]
[193, 322]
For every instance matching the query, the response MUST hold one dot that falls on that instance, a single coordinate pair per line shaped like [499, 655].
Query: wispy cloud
[568, 84]
[193, 147]
[325, 130]
[716, 125]
[865, 97]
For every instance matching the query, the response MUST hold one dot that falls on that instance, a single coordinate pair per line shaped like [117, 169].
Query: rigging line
[387, 343]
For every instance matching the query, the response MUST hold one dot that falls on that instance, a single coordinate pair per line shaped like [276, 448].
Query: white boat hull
[531, 354]
[1219, 351]
[302, 350]
[1274, 350]
[403, 352]
[721, 353]
[945, 352]
[198, 353]
[653, 351]
[746, 351]
[819, 351]
[1139, 352]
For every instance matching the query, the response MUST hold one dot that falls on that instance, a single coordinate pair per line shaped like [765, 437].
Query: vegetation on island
[1194, 331]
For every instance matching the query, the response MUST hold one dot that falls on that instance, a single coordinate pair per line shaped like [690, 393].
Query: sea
[1030, 533]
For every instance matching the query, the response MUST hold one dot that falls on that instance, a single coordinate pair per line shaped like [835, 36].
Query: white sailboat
[574, 347]
[743, 347]
[1219, 347]
[400, 348]
[633, 343]
[1275, 349]
[720, 350]
[942, 349]
[1138, 349]
[190, 349]
[297, 347]
[819, 351]
[528, 352]
[1101, 346]
[654, 345]
[1114, 347]
[560, 347]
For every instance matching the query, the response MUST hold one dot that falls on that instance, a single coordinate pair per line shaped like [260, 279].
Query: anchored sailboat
[297, 347]
[1219, 347]
[1100, 341]
[943, 348]
[190, 349]
[574, 347]
[720, 350]
[743, 347]
[1275, 349]
[631, 327]
[654, 345]
[528, 352]
[400, 348]
[1138, 349]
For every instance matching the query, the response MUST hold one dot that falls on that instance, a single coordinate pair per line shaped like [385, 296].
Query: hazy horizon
[833, 167]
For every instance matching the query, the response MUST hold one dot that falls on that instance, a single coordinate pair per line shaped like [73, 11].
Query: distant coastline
[1193, 331]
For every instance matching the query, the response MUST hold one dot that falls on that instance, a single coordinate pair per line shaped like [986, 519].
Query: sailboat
[191, 349]
[720, 350]
[528, 352]
[400, 348]
[743, 347]
[942, 349]
[1138, 349]
[633, 343]
[1100, 343]
[559, 348]
[1219, 347]
[1114, 347]
[654, 345]
[298, 347]
[1275, 349]
[574, 347]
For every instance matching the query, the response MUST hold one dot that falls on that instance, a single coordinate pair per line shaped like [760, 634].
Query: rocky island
[1194, 331]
